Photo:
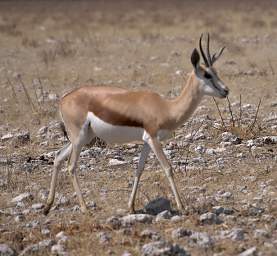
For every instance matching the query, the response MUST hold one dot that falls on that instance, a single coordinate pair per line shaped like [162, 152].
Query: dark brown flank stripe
[110, 116]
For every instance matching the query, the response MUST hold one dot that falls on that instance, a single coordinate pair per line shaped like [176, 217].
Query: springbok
[118, 115]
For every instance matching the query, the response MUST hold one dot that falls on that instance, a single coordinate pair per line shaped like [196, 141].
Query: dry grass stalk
[33, 107]
[231, 112]
[252, 125]
[219, 112]
[12, 88]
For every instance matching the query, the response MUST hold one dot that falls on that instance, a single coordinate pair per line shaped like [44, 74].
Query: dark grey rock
[158, 205]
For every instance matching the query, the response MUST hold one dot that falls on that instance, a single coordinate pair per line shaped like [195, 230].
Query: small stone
[158, 205]
[202, 239]
[259, 233]
[32, 224]
[236, 234]
[104, 237]
[29, 250]
[249, 252]
[150, 234]
[5, 250]
[180, 232]
[45, 231]
[165, 215]
[126, 254]
[116, 162]
[7, 137]
[37, 206]
[22, 137]
[176, 218]
[23, 197]
[62, 200]
[162, 248]
[114, 222]
[47, 243]
[61, 237]
[218, 210]
[135, 218]
[42, 131]
[19, 218]
[209, 218]
[58, 249]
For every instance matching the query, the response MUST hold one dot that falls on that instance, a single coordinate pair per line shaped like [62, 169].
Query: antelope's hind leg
[85, 137]
[61, 155]
[142, 159]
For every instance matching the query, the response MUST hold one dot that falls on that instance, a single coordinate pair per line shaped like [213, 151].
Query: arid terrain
[224, 158]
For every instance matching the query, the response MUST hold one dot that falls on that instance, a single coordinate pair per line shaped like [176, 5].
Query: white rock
[116, 162]
[165, 215]
[202, 239]
[209, 218]
[134, 218]
[58, 249]
[61, 237]
[249, 252]
[5, 250]
[162, 248]
[6, 137]
[22, 197]
[37, 206]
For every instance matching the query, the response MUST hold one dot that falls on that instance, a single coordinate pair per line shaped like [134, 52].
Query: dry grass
[49, 47]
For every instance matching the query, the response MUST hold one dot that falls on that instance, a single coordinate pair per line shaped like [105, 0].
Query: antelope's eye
[207, 75]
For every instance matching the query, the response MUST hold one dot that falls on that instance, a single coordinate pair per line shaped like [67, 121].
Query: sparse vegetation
[225, 156]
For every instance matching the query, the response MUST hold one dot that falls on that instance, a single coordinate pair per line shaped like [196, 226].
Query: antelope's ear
[195, 58]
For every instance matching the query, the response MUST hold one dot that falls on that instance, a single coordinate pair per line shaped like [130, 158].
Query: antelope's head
[209, 82]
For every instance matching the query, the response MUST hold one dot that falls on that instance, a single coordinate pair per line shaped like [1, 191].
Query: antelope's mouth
[224, 93]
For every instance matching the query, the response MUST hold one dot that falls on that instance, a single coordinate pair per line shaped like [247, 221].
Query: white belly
[120, 134]
[114, 133]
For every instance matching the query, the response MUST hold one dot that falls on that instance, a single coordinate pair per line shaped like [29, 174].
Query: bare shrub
[235, 123]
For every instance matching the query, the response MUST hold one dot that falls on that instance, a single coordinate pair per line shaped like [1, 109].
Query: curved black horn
[208, 51]
[215, 57]
[202, 52]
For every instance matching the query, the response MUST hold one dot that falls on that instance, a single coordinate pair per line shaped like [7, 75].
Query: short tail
[62, 126]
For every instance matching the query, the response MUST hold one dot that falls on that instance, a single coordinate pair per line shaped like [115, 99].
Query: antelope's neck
[182, 107]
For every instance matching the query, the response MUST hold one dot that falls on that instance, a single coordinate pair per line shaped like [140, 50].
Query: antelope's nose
[225, 92]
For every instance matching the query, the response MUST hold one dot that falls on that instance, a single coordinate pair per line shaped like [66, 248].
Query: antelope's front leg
[142, 159]
[158, 151]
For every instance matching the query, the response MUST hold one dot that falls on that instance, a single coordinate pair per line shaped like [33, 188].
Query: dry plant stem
[27, 95]
[271, 67]
[219, 112]
[35, 91]
[251, 126]
[240, 111]
[231, 112]
[13, 89]
[192, 137]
